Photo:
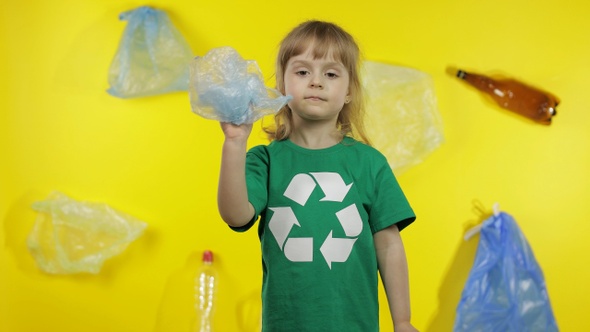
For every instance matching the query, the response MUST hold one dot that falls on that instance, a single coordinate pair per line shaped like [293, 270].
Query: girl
[330, 207]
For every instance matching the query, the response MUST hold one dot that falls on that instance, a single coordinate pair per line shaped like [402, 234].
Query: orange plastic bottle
[515, 96]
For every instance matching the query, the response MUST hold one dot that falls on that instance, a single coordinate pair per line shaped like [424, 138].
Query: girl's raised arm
[232, 194]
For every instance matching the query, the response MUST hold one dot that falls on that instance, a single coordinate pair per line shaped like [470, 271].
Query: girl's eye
[332, 75]
[301, 72]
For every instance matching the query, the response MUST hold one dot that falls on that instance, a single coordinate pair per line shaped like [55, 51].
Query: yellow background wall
[154, 159]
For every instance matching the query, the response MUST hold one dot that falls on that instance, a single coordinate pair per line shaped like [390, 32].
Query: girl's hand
[236, 132]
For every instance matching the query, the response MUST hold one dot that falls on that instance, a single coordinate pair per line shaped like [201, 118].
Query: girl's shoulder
[263, 151]
[361, 147]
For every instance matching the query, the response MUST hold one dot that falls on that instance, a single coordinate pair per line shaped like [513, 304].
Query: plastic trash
[514, 95]
[402, 113]
[206, 280]
[225, 87]
[72, 237]
[505, 290]
[152, 57]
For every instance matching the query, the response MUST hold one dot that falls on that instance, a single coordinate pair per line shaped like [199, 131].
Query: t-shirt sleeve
[257, 183]
[390, 205]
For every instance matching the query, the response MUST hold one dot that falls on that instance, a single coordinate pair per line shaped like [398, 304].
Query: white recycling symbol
[300, 249]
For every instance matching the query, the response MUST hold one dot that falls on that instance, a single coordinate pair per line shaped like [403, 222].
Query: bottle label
[499, 92]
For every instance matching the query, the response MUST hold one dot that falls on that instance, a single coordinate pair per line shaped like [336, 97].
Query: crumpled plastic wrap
[225, 87]
[152, 57]
[402, 114]
[505, 290]
[73, 237]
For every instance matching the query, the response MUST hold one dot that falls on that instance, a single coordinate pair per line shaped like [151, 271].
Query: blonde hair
[327, 39]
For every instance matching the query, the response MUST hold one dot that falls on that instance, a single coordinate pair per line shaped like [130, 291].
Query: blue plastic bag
[152, 57]
[505, 290]
[225, 87]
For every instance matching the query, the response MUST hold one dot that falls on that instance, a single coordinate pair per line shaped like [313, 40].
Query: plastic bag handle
[475, 229]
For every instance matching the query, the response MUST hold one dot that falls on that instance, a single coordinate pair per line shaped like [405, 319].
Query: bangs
[324, 41]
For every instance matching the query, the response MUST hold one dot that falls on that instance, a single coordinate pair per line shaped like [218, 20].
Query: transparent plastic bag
[505, 290]
[225, 87]
[152, 57]
[402, 113]
[72, 237]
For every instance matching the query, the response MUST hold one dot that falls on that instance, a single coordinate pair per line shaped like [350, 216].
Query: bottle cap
[208, 256]
[461, 73]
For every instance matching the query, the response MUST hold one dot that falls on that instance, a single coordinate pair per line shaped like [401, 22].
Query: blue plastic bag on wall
[152, 57]
[505, 290]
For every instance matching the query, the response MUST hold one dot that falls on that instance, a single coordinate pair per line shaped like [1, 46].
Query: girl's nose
[316, 82]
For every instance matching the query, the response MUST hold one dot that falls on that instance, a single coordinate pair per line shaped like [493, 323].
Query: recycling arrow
[332, 185]
[351, 221]
[299, 249]
[281, 222]
[336, 249]
[299, 190]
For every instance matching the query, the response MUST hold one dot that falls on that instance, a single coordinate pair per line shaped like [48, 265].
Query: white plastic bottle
[205, 289]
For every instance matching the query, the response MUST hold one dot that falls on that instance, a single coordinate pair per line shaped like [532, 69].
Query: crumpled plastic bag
[225, 87]
[402, 114]
[72, 237]
[152, 57]
[505, 290]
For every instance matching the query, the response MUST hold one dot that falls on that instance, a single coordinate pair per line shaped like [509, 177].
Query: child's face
[319, 87]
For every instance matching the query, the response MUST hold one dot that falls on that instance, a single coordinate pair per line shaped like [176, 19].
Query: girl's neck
[319, 139]
[314, 134]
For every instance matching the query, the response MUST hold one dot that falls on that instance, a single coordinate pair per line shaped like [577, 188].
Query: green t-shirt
[318, 212]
